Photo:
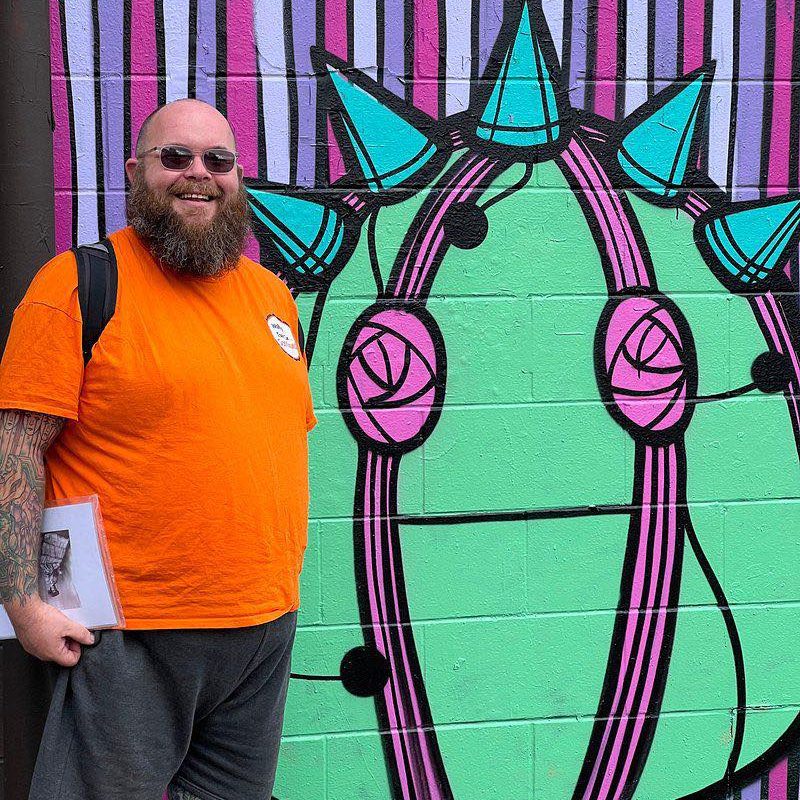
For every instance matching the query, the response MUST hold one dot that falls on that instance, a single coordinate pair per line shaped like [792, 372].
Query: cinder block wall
[545, 258]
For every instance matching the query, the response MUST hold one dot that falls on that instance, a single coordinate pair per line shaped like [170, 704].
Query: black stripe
[260, 118]
[737, 13]
[380, 41]
[622, 51]
[291, 79]
[161, 58]
[126, 79]
[71, 115]
[441, 79]
[475, 44]
[323, 146]
[592, 13]
[191, 89]
[350, 19]
[566, 44]
[408, 51]
[99, 144]
[793, 782]
[222, 57]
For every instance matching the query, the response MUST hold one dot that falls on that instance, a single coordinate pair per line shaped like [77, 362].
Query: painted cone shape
[307, 234]
[749, 244]
[655, 154]
[389, 149]
[522, 109]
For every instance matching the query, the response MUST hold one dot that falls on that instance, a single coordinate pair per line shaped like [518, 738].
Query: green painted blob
[513, 620]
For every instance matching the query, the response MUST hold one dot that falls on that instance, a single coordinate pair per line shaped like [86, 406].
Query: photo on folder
[75, 571]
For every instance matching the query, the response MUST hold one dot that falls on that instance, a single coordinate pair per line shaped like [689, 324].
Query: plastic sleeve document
[75, 574]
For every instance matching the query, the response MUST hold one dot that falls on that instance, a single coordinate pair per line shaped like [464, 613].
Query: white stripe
[80, 50]
[176, 48]
[458, 30]
[635, 54]
[268, 24]
[554, 14]
[365, 40]
[721, 93]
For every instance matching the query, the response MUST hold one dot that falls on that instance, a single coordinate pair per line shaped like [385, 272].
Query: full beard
[203, 249]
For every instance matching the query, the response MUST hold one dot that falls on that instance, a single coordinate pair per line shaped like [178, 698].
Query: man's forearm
[24, 439]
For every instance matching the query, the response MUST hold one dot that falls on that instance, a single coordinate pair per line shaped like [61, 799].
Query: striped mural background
[114, 61]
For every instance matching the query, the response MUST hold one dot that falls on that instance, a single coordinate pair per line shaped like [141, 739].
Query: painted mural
[545, 254]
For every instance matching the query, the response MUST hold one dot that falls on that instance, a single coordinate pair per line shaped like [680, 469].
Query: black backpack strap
[97, 290]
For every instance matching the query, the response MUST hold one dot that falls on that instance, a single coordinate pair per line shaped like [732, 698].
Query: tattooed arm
[41, 629]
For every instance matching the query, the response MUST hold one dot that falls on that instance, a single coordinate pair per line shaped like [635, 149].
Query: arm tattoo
[24, 439]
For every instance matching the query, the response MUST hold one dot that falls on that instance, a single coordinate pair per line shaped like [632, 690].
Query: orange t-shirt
[189, 423]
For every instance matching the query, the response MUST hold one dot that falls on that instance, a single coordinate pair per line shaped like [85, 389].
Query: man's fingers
[77, 632]
[67, 657]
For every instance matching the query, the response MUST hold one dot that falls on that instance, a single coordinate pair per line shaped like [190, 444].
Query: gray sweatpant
[200, 711]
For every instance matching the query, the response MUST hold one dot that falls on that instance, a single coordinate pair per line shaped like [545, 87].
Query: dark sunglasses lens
[176, 157]
[219, 160]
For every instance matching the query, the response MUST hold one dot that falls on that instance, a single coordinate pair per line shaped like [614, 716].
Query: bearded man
[189, 423]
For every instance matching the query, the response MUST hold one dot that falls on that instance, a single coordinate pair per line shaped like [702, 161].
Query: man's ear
[130, 168]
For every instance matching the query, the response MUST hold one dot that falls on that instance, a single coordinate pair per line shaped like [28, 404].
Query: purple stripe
[304, 32]
[666, 42]
[113, 110]
[750, 105]
[577, 58]
[490, 18]
[752, 792]
[394, 66]
[206, 67]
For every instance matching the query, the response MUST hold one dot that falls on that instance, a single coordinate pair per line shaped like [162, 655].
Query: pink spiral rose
[645, 371]
[391, 377]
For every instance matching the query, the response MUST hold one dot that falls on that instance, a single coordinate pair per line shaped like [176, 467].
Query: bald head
[173, 122]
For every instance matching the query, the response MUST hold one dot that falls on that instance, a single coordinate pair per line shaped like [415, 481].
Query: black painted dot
[465, 225]
[364, 671]
[771, 372]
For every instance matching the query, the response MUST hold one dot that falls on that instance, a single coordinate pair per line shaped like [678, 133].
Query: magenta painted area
[778, 173]
[778, 781]
[413, 741]
[336, 43]
[252, 249]
[607, 212]
[144, 69]
[644, 648]
[605, 91]
[426, 56]
[62, 152]
[644, 360]
[392, 377]
[241, 83]
[694, 18]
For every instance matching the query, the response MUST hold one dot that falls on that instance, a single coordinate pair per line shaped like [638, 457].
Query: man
[189, 422]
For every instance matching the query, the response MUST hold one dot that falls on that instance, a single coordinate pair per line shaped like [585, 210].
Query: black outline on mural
[98, 126]
[71, 117]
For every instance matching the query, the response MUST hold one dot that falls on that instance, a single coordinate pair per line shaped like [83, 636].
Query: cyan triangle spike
[750, 243]
[522, 109]
[655, 153]
[307, 234]
[389, 149]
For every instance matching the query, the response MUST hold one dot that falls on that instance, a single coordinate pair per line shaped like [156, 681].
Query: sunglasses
[175, 157]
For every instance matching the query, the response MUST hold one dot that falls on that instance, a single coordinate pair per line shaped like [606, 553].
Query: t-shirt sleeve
[42, 366]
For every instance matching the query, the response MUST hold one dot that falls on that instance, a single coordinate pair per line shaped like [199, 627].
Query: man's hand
[48, 634]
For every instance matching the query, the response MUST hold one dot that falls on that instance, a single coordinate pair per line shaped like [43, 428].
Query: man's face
[195, 194]
[194, 221]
